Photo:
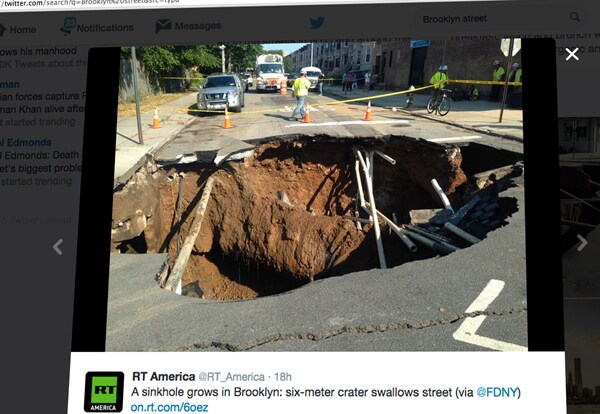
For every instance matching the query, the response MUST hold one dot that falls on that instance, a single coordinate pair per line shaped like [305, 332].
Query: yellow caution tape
[174, 77]
[365, 98]
[477, 82]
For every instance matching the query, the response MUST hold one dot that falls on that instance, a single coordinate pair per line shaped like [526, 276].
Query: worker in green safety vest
[515, 95]
[439, 80]
[497, 76]
[515, 73]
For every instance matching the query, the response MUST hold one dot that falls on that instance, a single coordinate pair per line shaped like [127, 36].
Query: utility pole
[505, 91]
[136, 89]
[311, 54]
[222, 47]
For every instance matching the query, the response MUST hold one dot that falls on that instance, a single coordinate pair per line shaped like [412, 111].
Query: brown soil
[274, 221]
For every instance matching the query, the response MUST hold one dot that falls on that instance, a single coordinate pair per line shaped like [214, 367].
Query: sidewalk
[479, 116]
[130, 155]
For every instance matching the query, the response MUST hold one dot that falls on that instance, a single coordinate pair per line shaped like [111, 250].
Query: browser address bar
[80, 5]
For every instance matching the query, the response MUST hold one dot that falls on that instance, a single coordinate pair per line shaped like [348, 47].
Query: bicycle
[440, 102]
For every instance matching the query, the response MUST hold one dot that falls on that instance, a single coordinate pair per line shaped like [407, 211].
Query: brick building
[399, 64]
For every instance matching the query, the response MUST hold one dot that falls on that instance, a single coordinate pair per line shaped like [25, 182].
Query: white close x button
[572, 54]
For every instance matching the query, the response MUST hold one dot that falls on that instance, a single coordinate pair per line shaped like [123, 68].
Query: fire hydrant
[409, 97]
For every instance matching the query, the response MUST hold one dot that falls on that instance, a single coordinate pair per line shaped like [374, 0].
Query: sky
[582, 338]
[286, 47]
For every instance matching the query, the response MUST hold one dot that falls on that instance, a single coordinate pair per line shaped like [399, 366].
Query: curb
[470, 128]
[125, 177]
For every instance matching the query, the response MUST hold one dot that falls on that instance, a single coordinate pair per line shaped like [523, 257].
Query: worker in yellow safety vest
[300, 90]
[439, 80]
[473, 93]
[514, 92]
[515, 73]
[497, 76]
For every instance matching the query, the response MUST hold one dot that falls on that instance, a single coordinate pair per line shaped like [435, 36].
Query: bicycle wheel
[431, 105]
[444, 106]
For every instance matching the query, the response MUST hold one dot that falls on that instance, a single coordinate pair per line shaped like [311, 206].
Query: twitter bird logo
[316, 23]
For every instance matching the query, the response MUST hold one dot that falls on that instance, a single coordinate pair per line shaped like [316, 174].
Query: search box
[504, 20]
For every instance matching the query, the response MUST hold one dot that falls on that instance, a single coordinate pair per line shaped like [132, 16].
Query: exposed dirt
[274, 221]
[279, 219]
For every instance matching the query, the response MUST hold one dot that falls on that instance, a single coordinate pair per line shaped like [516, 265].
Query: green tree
[288, 64]
[242, 56]
[171, 60]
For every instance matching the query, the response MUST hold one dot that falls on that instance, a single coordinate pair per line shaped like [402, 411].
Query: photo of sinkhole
[294, 211]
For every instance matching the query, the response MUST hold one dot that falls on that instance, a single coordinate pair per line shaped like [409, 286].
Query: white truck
[313, 74]
[269, 73]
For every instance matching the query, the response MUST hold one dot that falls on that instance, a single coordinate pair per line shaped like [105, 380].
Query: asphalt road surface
[266, 115]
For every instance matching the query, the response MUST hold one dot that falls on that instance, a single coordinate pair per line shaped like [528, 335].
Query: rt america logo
[103, 392]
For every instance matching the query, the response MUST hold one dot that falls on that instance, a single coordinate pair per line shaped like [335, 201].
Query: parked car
[222, 91]
[246, 80]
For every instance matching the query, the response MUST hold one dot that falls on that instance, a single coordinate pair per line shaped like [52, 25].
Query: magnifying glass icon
[574, 16]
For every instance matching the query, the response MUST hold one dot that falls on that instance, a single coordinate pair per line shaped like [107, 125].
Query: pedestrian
[300, 90]
[354, 81]
[321, 81]
[497, 76]
[367, 81]
[349, 81]
[439, 80]
[515, 96]
[344, 81]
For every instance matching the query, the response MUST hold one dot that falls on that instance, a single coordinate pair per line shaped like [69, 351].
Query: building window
[338, 46]
[337, 62]
[345, 59]
[368, 55]
[390, 64]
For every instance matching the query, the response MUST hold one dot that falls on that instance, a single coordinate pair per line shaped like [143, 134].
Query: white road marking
[450, 139]
[400, 121]
[467, 330]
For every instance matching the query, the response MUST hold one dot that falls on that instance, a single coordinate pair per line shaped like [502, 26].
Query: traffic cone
[306, 115]
[156, 121]
[368, 114]
[283, 87]
[227, 124]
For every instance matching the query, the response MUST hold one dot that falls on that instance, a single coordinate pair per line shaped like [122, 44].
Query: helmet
[444, 67]
[515, 65]
[496, 62]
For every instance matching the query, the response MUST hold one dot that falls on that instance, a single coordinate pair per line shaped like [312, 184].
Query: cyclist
[439, 80]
